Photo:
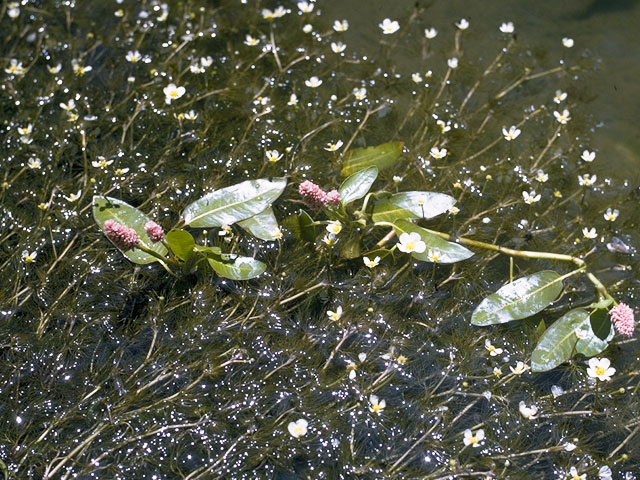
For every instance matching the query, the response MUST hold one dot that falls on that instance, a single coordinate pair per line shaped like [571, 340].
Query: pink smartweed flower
[622, 319]
[123, 237]
[155, 231]
[333, 198]
[313, 195]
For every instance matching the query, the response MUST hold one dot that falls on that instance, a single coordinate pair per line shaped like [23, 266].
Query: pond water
[322, 366]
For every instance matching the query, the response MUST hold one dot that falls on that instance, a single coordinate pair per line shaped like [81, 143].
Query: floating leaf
[449, 252]
[386, 212]
[108, 208]
[181, 243]
[522, 298]
[237, 268]
[423, 204]
[263, 225]
[595, 334]
[233, 204]
[558, 342]
[209, 251]
[382, 156]
[357, 185]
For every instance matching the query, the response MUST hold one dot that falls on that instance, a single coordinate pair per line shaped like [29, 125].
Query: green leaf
[423, 204]
[386, 212]
[357, 185]
[449, 252]
[350, 247]
[181, 243]
[307, 228]
[382, 156]
[558, 342]
[209, 251]
[237, 268]
[108, 208]
[595, 334]
[522, 298]
[263, 225]
[233, 204]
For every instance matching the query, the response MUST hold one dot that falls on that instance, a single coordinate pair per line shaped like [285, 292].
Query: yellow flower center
[376, 408]
[600, 371]
[410, 246]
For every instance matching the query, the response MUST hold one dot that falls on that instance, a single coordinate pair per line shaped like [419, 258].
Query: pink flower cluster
[155, 231]
[622, 318]
[123, 237]
[316, 198]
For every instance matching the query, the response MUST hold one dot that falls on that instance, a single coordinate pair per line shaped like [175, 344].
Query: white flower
[473, 439]
[507, 27]
[80, 69]
[530, 197]
[335, 316]
[605, 473]
[397, 179]
[225, 230]
[29, 257]
[588, 156]
[563, 117]
[313, 82]
[430, 33]
[341, 26]
[560, 96]
[416, 77]
[293, 100]
[54, 69]
[589, 233]
[434, 255]
[329, 239]
[351, 368]
[411, 242]
[463, 24]
[334, 227]
[569, 447]
[493, 351]
[567, 42]
[273, 155]
[520, 368]
[13, 10]
[360, 93]
[251, 41]
[272, 15]
[206, 61]
[133, 57]
[34, 163]
[573, 473]
[101, 162]
[73, 196]
[510, 134]
[586, 180]
[338, 47]
[298, 428]
[444, 127]
[438, 153]
[453, 210]
[190, 115]
[308, 28]
[541, 176]
[172, 92]
[68, 106]
[25, 131]
[389, 26]
[306, 7]
[376, 405]
[611, 215]
[121, 171]
[601, 369]
[196, 68]
[15, 68]
[332, 147]
[452, 62]
[528, 412]
[371, 263]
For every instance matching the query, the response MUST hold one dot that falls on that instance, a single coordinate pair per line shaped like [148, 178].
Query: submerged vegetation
[331, 296]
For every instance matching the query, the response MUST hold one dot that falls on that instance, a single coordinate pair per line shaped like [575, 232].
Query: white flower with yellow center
[351, 368]
[473, 439]
[567, 42]
[371, 263]
[411, 242]
[29, 257]
[438, 153]
[397, 179]
[225, 230]
[133, 56]
[376, 405]
[511, 134]
[416, 77]
[563, 117]
[430, 33]
[73, 197]
[34, 163]
[389, 26]
[452, 62]
[530, 197]
[15, 68]
[305, 7]
[360, 93]
[71, 105]
[335, 316]
[273, 155]
[298, 428]
[587, 180]
[341, 26]
[54, 69]
[172, 92]
[272, 15]
[25, 131]
[293, 100]
[277, 234]
[101, 163]
[329, 239]
[601, 369]
[453, 210]
[334, 227]
[507, 27]
[463, 24]
[121, 171]
[313, 82]
[573, 474]
[611, 215]
[520, 368]
[588, 156]
[497, 372]
[541, 176]
[589, 233]
[560, 96]
[338, 47]
[251, 41]
[80, 69]
[332, 147]
[13, 10]
[493, 351]
[529, 413]
[190, 115]
[434, 255]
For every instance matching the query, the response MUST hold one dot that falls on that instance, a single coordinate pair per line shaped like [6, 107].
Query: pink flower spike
[333, 198]
[622, 318]
[313, 195]
[123, 237]
[155, 231]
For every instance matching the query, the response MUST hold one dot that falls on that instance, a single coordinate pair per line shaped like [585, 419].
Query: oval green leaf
[237, 268]
[233, 204]
[181, 243]
[263, 225]
[448, 252]
[423, 204]
[522, 298]
[108, 208]
[382, 156]
[558, 342]
[386, 212]
[595, 335]
[357, 185]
